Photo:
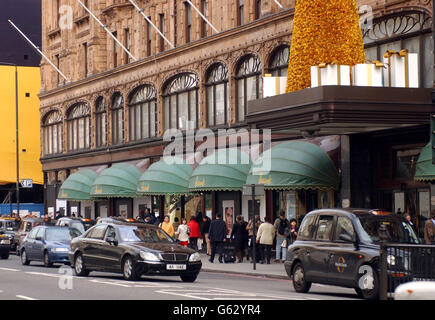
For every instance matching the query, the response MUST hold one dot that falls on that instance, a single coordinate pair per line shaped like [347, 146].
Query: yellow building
[29, 84]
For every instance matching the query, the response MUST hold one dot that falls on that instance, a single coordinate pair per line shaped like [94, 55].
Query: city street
[34, 282]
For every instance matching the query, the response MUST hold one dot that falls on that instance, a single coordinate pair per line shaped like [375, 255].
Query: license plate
[175, 267]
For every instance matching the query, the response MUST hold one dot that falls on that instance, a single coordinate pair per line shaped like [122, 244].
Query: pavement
[272, 270]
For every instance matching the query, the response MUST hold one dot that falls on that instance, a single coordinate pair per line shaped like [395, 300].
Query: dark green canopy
[294, 165]
[162, 178]
[425, 170]
[224, 170]
[120, 180]
[77, 186]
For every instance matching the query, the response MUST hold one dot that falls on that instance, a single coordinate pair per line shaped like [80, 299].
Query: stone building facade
[92, 120]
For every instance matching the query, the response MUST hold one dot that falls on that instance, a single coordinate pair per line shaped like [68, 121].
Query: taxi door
[345, 256]
[319, 255]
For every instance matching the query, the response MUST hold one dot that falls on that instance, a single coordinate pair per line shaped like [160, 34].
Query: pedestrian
[429, 229]
[281, 224]
[182, 233]
[152, 219]
[167, 226]
[195, 233]
[407, 216]
[239, 236]
[266, 234]
[204, 231]
[251, 242]
[176, 223]
[147, 219]
[123, 214]
[217, 234]
[291, 233]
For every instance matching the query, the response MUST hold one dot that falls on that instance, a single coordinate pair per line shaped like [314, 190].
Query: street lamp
[16, 133]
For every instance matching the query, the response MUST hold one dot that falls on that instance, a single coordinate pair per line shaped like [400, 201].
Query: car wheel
[47, 262]
[188, 278]
[373, 292]
[24, 260]
[79, 266]
[299, 282]
[5, 256]
[129, 269]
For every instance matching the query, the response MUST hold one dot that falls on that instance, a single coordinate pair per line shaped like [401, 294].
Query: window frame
[52, 120]
[150, 101]
[118, 136]
[74, 125]
[244, 77]
[214, 84]
[279, 67]
[100, 122]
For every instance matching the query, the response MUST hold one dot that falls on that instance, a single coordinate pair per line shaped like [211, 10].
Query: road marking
[25, 298]
[9, 269]
[111, 283]
[45, 274]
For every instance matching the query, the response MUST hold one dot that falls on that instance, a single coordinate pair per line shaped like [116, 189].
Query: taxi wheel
[79, 266]
[129, 269]
[299, 283]
[369, 294]
[188, 278]
[47, 262]
[24, 260]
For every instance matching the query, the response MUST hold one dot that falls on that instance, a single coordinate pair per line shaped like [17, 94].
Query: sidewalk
[272, 270]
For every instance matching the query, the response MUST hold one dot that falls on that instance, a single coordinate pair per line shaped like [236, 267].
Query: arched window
[279, 62]
[79, 126]
[143, 113]
[100, 122]
[180, 100]
[218, 102]
[248, 84]
[410, 30]
[117, 113]
[52, 133]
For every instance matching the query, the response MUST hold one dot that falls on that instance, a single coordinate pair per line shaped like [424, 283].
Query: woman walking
[183, 232]
[167, 226]
[266, 234]
[239, 236]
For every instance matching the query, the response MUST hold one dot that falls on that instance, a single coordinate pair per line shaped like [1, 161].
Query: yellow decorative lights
[324, 31]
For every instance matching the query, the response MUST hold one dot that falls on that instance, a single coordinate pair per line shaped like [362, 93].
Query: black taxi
[341, 247]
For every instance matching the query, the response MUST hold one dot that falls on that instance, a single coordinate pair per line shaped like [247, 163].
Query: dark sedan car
[341, 247]
[80, 224]
[49, 244]
[9, 226]
[133, 249]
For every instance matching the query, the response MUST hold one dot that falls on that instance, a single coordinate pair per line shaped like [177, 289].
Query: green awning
[224, 170]
[77, 186]
[120, 180]
[425, 170]
[294, 165]
[165, 179]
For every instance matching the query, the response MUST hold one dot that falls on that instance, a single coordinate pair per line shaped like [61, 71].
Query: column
[345, 171]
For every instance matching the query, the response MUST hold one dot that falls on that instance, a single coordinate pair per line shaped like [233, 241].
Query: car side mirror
[346, 238]
[112, 241]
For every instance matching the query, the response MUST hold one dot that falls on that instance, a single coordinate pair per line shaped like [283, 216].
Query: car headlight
[59, 249]
[149, 256]
[391, 260]
[195, 257]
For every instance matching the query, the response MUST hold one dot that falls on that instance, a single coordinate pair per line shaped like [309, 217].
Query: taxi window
[111, 233]
[307, 228]
[324, 227]
[344, 227]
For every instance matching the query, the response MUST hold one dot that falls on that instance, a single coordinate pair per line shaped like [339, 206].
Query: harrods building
[105, 126]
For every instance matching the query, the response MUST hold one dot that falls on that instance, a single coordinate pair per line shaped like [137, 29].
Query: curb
[265, 275]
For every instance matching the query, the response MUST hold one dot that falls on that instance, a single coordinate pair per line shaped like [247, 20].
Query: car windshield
[397, 231]
[88, 224]
[141, 234]
[78, 225]
[58, 234]
[9, 225]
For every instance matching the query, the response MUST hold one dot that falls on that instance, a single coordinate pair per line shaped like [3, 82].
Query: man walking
[204, 231]
[281, 224]
[217, 235]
